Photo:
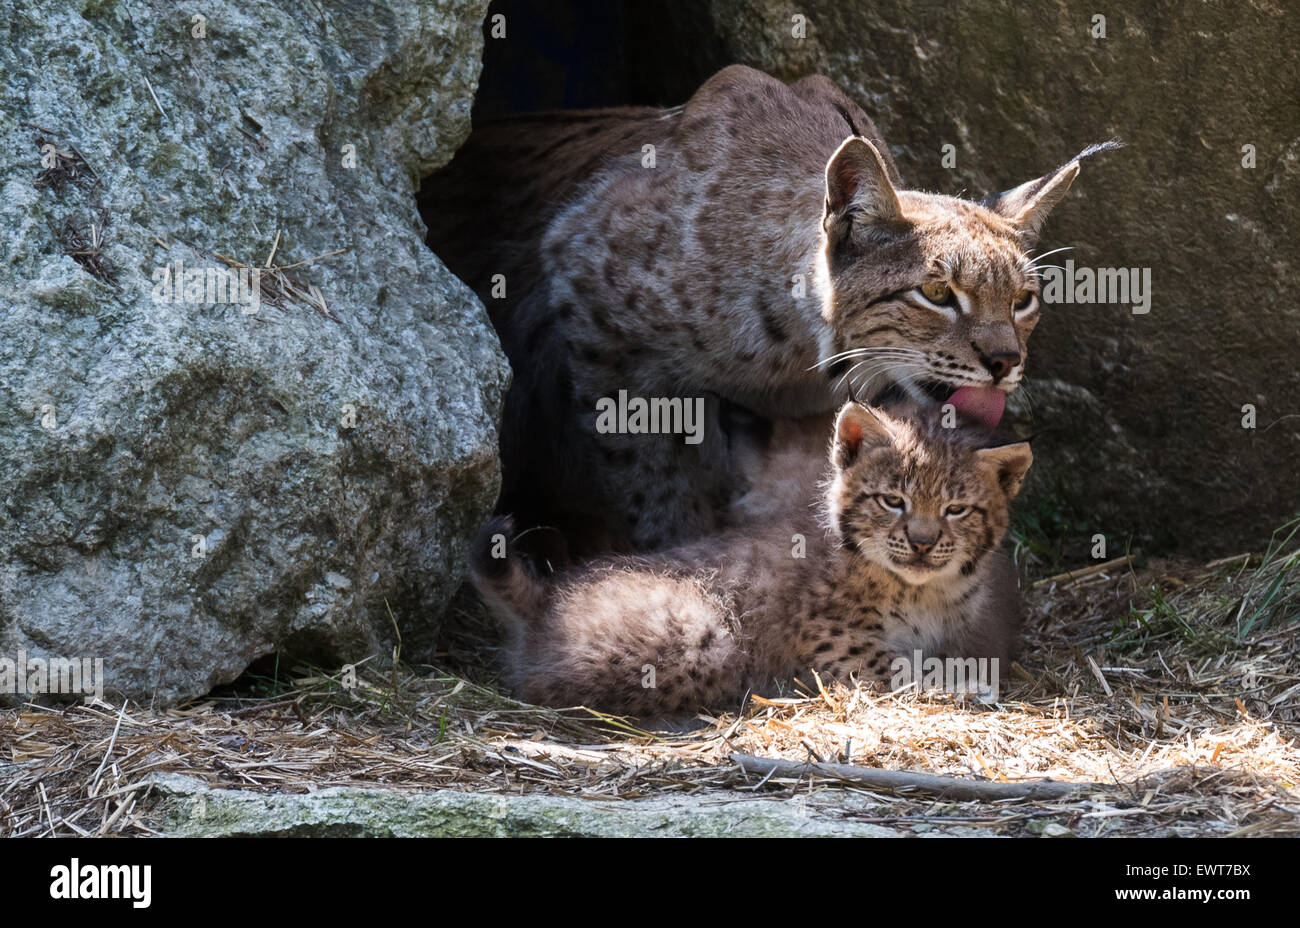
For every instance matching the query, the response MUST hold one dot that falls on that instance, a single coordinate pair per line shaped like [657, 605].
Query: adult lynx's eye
[938, 293]
[956, 510]
[1024, 300]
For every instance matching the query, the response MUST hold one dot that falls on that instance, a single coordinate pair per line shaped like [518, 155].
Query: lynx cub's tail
[503, 578]
[650, 639]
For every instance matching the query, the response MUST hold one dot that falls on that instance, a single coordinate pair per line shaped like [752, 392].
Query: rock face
[1139, 416]
[190, 809]
[187, 485]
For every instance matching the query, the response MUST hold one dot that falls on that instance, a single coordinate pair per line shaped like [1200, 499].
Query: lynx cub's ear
[857, 185]
[1027, 206]
[856, 427]
[1008, 465]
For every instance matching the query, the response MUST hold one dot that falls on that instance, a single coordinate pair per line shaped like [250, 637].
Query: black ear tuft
[1027, 206]
[1110, 145]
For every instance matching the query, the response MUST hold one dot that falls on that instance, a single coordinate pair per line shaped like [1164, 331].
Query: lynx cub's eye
[956, 511]
[938, 293]
[891, 503]
[1024, 300]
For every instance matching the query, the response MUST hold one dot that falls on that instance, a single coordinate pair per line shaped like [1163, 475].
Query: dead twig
[911, 781]
[1074, 576]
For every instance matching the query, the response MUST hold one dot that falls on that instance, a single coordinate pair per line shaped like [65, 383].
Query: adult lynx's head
[931, 293]
[923, 501]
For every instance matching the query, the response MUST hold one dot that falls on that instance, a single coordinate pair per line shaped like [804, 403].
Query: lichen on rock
[183, 482]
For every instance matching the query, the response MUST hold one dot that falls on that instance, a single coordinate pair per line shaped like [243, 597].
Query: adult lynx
[754, 249]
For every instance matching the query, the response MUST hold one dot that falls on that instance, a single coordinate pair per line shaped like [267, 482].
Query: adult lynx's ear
[1008, 464]
[858, 186]
[1027, 206]
[858, 427]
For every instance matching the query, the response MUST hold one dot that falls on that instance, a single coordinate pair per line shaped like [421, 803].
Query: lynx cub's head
[922, 501]
[932, 294]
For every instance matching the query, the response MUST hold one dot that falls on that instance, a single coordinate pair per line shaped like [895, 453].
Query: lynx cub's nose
[921, 536]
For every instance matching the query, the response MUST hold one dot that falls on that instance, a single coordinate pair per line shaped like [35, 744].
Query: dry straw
[1160, 701]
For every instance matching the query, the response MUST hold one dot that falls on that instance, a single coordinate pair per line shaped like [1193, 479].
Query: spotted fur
[768, 260]
[897, 550]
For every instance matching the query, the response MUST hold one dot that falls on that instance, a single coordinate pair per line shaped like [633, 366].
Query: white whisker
[862, 350]
[877, 367]
[1033, 261]
[862, 388]
[883, 351]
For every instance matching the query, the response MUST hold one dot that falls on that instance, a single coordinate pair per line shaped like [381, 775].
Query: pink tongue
[983, 404]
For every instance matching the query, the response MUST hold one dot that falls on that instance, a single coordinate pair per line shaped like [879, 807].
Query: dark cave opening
[583, 54]
[555, 57]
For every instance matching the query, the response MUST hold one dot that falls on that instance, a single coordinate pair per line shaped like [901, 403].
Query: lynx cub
[897, 553]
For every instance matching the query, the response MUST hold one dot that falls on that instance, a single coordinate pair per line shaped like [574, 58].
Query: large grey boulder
[185, 486]
[1140, 415]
